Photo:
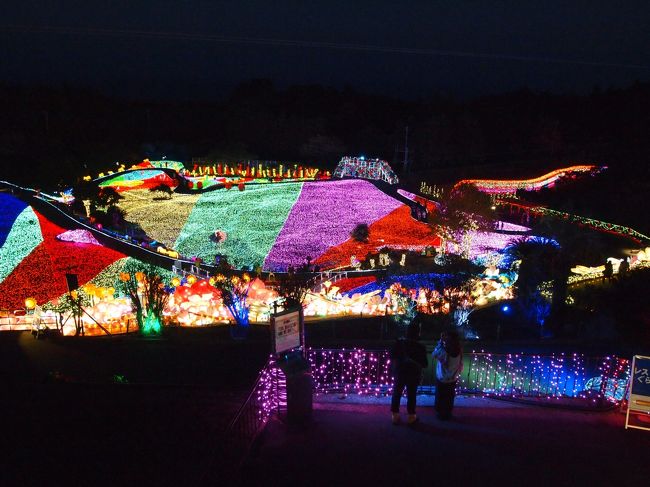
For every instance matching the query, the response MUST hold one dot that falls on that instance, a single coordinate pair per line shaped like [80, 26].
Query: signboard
[286, 331]
[639, 389]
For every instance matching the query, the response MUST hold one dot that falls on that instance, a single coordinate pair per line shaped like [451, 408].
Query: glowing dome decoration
[360, 167]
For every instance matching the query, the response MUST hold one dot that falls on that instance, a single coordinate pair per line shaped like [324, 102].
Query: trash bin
[299, 386]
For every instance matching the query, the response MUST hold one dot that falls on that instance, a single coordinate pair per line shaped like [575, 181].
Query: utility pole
[406, 149]
[405, 162]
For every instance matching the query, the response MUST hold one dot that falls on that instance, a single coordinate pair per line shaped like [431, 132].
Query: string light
[41, 273]
[78, 236]
[573, 378]
[397, 230]
[324, 216]
[360, 167]
[19, 236]
[603, 226]
[252, 220]
[138, 179]
[511, 186]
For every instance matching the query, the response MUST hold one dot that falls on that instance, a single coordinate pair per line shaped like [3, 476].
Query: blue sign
[640, 385]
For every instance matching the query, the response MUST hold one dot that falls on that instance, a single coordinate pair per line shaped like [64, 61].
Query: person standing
[409, 357]
[623, 268]
[449, 355]
[608, 273]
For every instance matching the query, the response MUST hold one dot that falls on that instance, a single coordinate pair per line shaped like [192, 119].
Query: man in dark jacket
[409, 357]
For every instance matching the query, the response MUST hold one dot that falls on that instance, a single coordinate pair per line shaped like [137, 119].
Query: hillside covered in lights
[266, 226]
[35, 256]
[276, 226]
[366, 246]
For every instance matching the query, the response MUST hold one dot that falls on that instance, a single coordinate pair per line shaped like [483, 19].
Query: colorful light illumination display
[430, 205]
[496, 186]
[324, 216]
[145, 164]
[563, 380]
[360, 167]
[584, 381]
[163, 164]
[11, 208]
[350, 283]
[198, 303]
[397, 231]
[162, 219]
[256, 171]
[189, 305]
[584, 273]
[40, 273]
[78, 236]
[138, 179]
[20, 234]
[278, 225]
[600, 225]
[482, 247]
[252, 220]
[201, 177]
[269, 395]
[551, 377]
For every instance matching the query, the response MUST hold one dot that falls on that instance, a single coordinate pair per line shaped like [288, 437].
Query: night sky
[202, 49]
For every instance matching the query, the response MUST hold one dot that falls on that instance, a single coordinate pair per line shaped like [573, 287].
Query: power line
[185, 36]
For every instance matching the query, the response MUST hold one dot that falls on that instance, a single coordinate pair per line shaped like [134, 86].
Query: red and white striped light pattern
[510, 186]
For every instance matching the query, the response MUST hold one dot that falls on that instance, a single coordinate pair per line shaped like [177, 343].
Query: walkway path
[489, 443]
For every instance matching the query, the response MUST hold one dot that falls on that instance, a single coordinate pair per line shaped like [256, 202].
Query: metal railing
[268, 396]
[21, 320]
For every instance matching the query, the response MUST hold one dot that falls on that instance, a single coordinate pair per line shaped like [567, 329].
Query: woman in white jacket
[449, 356]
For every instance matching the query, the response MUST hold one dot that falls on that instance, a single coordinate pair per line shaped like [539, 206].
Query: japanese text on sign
[287, 332]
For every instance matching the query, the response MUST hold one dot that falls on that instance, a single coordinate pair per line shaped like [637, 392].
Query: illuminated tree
[533, 258]
[536, 261]
[234, 294]
[72, 303]
[146, 289]
[464, 210]
[402, 304]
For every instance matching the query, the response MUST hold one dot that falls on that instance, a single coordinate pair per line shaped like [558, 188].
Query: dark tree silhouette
[163, 189]
[293, 287]
[361, 233]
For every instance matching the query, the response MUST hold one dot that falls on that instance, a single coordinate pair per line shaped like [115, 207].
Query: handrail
[599, 225]
[267, 396]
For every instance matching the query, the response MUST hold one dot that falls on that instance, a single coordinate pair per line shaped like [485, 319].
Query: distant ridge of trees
[49, 134]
